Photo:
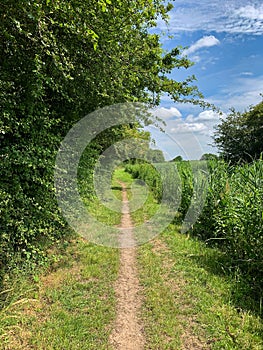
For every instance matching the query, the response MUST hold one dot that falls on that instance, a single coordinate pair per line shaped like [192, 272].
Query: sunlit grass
[189, 296]
[69, 306]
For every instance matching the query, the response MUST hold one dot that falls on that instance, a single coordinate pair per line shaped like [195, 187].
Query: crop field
[231, 217]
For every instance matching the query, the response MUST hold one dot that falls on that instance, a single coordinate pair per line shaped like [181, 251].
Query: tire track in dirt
[128, 330]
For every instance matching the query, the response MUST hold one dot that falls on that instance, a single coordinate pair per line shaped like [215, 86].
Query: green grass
[103, 213]
[139, 194]
[71, 306]
[147, 210]
[161, 325]
[68, 305]
[120, 175]
[189, 300]
[231, 217]
[189, 297]
[207, 292]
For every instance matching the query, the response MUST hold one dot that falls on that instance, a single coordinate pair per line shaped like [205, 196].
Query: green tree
[60, 61]
[156, 155]
[240, 136]
[209, 156]
[177, 159]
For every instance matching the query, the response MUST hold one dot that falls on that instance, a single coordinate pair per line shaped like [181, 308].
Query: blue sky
[225, 40]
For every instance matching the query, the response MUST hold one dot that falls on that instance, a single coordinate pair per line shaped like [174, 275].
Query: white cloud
[186, 139]
[241, 94]
[190, 118]
[250, 12]
[208, 115]
[232, 16]
[246, 74]
[190, 136]
[196, 58]
[166, 113]
[188, 128]
[200, 125]
[206, 41]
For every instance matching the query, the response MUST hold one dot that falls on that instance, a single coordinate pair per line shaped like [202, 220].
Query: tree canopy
[60, 61]
[156, 155]
[240, 136]
[177, 159]
[209, 156]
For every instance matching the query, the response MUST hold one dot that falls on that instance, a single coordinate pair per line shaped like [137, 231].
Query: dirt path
[128, 330]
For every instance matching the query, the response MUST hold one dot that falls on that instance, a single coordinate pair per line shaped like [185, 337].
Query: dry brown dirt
[128, 330]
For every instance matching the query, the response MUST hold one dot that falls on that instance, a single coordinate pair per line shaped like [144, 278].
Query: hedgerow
[61, 60]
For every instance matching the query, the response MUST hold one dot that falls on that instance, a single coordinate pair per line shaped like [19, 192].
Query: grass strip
[188, 299]
[68, 305]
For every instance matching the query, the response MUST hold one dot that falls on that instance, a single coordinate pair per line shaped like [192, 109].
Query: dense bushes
[232, 216]
[61, 60]
[147, 173]
[177, 177]
[239, 135]
[29, 214]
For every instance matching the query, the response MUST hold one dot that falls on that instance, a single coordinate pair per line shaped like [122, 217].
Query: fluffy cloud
[206, 41]
[188, 128]
[190, 136]
[200, 125]
[183, 139]
[205, 116]
[166, 113]
[246, 74]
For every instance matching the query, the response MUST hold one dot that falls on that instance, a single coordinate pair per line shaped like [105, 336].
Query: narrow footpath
[128, 330]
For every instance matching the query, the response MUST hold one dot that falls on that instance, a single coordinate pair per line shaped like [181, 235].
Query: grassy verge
[188, 300]
[69, 304]
[207, 295]
[138, 193]
[188, 296]
[121, 176]
[68, 307]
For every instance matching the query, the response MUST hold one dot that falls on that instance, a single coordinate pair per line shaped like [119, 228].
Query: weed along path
[128, 330]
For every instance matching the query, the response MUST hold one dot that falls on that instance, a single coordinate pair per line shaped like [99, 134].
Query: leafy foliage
[156, 155]
[232, 217]
[209, 156]
[239, 137]
[169, 174]
[60, 61]
[177, 159]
